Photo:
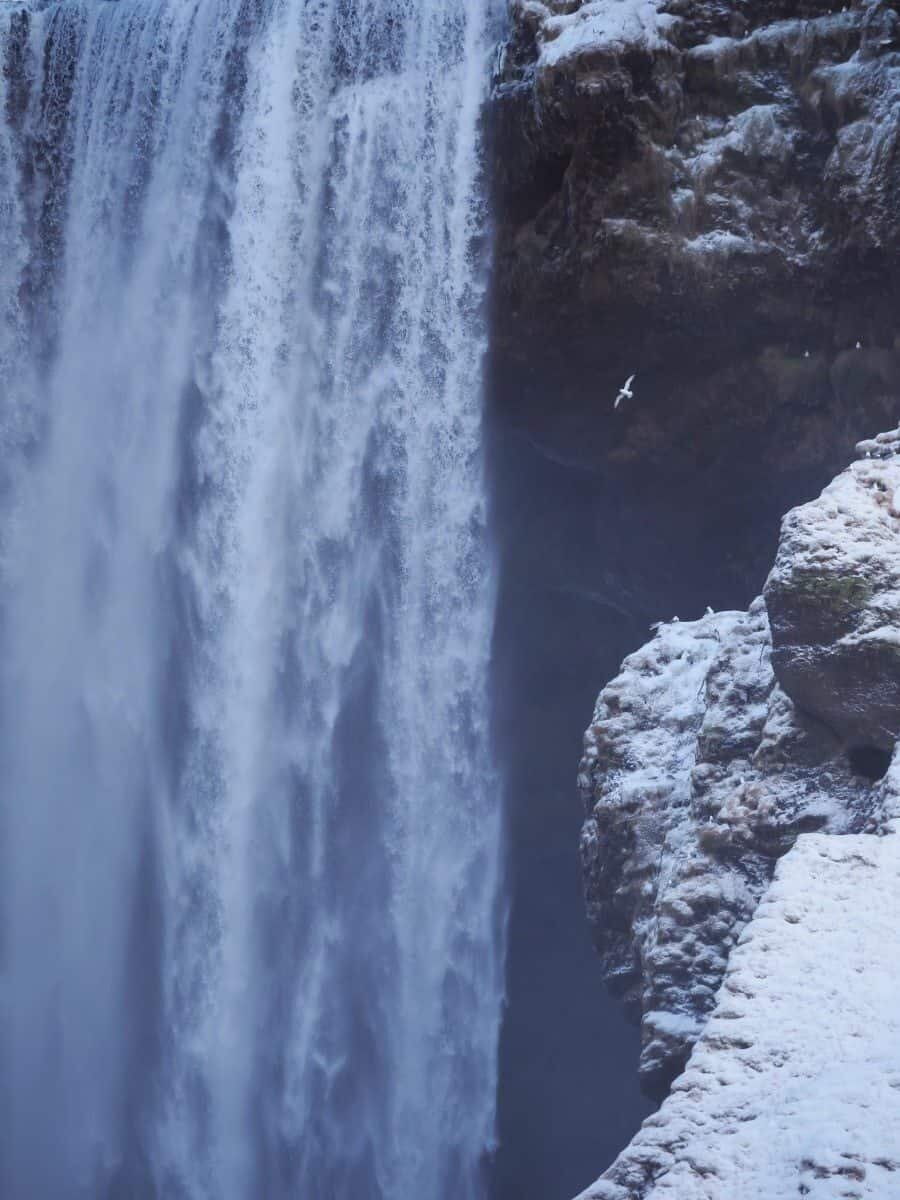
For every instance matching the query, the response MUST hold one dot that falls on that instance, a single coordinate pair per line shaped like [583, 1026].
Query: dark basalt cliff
[704, 193]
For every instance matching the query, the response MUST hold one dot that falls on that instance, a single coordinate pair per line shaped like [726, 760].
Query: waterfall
[250, 837]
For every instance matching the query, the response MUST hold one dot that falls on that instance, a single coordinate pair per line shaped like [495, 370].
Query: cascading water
[251, 873]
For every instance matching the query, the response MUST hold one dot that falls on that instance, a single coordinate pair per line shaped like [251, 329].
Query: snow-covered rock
[703, 765]
[834, 601]
[794, 1087]
[567, 32]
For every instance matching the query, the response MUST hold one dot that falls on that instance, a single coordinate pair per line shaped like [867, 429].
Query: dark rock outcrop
[704, 193]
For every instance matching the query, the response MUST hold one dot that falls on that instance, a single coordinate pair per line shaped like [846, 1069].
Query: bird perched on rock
[625, 392]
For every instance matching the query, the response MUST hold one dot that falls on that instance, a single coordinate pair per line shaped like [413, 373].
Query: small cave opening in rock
[869, 762]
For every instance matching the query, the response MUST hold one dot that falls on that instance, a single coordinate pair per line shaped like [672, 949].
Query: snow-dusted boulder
[833, 599]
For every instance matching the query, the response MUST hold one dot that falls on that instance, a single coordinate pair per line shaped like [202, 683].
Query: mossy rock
[840, 595]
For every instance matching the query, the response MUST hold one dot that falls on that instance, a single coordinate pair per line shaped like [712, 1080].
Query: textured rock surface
[793, 1088]
[704, 193]
[702, 765]
[834, 601]
[710, 121]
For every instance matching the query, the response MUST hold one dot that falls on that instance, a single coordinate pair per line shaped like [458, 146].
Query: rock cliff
[720, 743]
[705, 193]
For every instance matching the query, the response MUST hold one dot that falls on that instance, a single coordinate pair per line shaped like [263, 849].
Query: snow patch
[794, 1087]
[603, 25]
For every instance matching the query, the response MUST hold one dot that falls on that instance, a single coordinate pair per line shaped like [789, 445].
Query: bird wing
[618, 400]
[629, 381]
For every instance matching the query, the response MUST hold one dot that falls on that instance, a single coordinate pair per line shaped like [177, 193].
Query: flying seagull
[625, 392]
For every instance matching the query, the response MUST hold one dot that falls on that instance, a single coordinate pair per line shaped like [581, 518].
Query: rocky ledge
[724, 739]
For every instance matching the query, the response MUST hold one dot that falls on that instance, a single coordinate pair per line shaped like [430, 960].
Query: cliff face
[704, 193]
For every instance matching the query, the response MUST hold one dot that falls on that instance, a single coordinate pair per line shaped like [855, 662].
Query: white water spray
[252, 934]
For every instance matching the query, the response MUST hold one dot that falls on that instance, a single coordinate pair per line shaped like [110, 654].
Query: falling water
[252, 928]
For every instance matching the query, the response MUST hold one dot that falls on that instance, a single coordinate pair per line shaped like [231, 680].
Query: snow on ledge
[794, 1088]
[599, 25]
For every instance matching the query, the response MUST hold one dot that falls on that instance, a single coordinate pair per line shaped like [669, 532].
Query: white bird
[625, 392]
[709, 611]
[806, 354]
[859, 345]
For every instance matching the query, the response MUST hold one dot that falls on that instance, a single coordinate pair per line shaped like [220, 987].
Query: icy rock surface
[686, 108]
[704, 193]
[793, 1088]
[702, 764]
[834, 600]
